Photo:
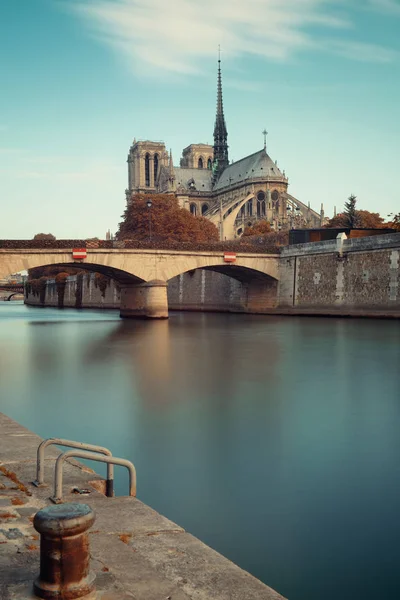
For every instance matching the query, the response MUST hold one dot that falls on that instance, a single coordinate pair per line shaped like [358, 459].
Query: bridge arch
[12, 295]
[224, 287]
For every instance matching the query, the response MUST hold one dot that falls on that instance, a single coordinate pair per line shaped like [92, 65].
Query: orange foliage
[364, 220]
[259, 228]
[167, 220]
[44, 236]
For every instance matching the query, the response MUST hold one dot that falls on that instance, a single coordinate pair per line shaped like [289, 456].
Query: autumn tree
[258, 228]
[363, 219]
[44, 236]
[168, 222]
[273, 239]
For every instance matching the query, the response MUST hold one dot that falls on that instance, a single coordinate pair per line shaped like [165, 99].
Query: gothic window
[275, 195]
[204, 208]
[193, 209]
[200, 163]
[155, 168]
[147, 169]
[209, 164]
[250, 208]
[260, 204]
[242, 211]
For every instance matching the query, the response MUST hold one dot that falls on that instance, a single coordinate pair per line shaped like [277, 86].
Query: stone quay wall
[358, 276]
[135, 552]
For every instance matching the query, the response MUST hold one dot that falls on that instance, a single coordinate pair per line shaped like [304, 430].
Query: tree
[369, 220]
[350, 211]
[44, 236]
[395, 222]
[273, 239]
[258, 228]
[363, 219]
[166, 220]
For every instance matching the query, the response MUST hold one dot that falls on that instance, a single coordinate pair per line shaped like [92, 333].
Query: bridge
[143, 274]
[11, 289]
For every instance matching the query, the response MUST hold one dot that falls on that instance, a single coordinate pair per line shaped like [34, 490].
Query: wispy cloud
[391, 7]
[364, 52]
[177, 36]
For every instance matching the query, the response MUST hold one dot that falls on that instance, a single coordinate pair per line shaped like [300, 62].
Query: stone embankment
[342, 277]
[136, 553]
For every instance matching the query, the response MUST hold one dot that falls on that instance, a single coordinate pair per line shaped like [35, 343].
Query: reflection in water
[275, 440]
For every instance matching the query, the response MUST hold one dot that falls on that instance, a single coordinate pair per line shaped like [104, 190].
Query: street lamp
[149, 205]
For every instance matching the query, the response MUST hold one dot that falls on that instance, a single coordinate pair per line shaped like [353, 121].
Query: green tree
[395, 222]
[350, 211]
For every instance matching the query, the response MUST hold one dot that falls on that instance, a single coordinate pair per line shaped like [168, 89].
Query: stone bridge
[11, 289]
[144, 274]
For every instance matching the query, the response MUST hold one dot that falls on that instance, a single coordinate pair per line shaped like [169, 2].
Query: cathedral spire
[221, 160]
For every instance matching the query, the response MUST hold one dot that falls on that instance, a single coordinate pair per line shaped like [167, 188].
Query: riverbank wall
[348, 277]
[135, 551]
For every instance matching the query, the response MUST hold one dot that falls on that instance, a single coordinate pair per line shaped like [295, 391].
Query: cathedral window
[147, 170]
[193, 209]
[250, 208]
[260, 204]
[275, 195]
[204, 208]
[155, 168]
[200, 163]
[209, 164]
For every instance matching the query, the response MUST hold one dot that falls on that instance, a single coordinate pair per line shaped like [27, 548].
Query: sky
[81, 78]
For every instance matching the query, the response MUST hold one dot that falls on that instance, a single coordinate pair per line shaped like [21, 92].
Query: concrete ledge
[136, 552]
[376, 242]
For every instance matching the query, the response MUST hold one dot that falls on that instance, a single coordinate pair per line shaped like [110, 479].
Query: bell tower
[145, 159]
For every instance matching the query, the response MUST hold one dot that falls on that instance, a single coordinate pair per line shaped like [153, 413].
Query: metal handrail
[57, 498]
[39, 482]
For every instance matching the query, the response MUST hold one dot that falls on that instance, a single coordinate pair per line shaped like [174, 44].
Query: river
[274, 440]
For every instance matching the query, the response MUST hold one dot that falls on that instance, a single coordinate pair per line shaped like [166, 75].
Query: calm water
[274, 440]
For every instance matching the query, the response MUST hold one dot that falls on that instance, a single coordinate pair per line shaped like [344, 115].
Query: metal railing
[39, 482]
[57, 497]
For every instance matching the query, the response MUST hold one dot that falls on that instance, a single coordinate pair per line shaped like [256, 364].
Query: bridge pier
[144, 300]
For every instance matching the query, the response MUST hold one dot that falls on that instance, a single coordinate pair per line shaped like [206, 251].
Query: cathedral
[231, 195]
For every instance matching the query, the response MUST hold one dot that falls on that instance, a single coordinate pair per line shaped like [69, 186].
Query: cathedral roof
[193, 179]
[256, 165]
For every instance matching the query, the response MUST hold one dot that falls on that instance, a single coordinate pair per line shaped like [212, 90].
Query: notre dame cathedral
[231, 195]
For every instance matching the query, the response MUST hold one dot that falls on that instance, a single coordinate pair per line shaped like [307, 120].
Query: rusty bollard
[64, 552]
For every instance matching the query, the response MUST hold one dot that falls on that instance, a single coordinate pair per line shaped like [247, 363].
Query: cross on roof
[265, 133]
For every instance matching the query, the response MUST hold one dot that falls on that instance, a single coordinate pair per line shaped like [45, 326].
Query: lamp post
[149, 205]
[293, 214]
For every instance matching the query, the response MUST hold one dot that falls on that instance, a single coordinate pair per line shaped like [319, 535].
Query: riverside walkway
[136, 553]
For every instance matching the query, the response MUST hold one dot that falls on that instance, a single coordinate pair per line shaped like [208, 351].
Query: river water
[274, 440]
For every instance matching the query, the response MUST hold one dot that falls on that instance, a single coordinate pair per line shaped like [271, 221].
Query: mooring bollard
[64, 552]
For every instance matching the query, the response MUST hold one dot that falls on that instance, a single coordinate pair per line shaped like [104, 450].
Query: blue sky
[81, 78]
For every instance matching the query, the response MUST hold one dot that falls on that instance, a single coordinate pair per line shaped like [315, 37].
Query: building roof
[200, 179]
[256, 165]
